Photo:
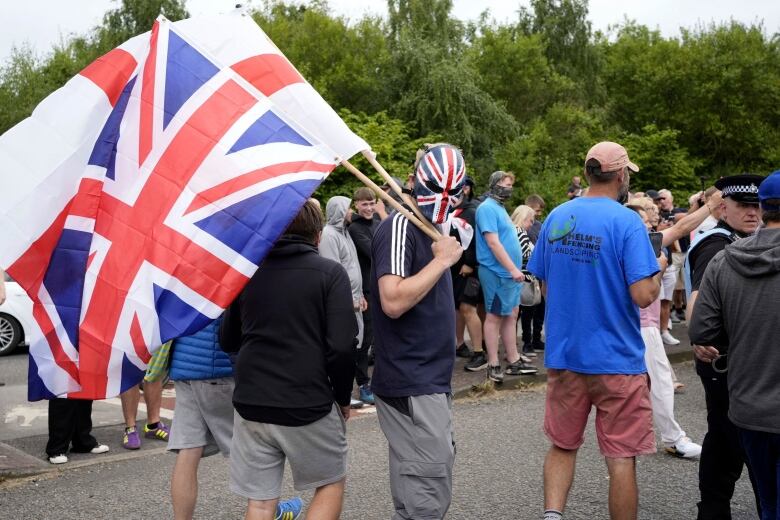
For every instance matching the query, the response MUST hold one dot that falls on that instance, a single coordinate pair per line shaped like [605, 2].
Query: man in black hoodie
[294, 329]
[737, 310]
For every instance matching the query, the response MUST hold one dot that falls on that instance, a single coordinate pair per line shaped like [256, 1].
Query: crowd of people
[277, 377]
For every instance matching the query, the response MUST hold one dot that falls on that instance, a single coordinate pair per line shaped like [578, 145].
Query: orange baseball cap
[611, 157]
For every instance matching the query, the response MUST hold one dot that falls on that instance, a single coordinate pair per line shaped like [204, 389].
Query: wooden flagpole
[396, 188]
[430, 231]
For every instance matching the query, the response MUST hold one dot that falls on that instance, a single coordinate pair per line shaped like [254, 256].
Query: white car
[16, 317]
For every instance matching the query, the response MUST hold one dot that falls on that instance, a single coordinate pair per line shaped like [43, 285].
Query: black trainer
[494, 374]
[520, 368]
[477, 362]
[463, 351]
[539, 346]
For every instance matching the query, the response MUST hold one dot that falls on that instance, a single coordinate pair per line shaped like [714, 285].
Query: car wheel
[10, 334]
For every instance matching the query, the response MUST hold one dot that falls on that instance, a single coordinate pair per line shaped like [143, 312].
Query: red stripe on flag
[139, 343]
[147, 98]
[450, 173]
[269, 73]
[58, 353]
[111, 72]
[86, 202]
[90, 258]
[211, 195]
[29, 268]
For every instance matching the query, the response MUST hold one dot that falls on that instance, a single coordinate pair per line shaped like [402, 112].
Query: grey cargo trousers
[422, 452]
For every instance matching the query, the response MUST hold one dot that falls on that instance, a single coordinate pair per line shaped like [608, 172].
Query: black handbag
[472, 289]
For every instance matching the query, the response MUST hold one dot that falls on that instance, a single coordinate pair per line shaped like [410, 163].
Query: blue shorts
[502, 295]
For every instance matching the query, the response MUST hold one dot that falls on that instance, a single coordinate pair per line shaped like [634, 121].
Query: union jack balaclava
[439, 176]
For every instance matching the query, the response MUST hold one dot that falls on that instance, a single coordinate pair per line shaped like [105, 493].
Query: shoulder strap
[694, 243]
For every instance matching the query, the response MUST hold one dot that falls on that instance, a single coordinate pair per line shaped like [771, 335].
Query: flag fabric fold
[140, 197]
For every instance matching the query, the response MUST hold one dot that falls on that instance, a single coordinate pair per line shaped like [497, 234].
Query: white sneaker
[100, 448]
[355, 404]
[668, 339]
[685, 448]
[59, 459]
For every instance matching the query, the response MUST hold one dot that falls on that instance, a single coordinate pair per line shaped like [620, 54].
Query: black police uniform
[722, 458]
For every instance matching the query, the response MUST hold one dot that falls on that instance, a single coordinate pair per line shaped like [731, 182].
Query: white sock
[552, 514]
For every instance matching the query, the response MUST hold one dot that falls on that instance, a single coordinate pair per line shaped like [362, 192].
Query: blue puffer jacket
[199, 356]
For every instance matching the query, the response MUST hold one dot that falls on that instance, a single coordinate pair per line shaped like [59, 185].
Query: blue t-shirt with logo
[590, 250]
[493, 218]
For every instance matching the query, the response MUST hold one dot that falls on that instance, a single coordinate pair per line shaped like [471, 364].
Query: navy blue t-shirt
[415, 353]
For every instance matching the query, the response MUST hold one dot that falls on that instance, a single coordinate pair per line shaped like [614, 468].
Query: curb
[525, 382]
[49, 470]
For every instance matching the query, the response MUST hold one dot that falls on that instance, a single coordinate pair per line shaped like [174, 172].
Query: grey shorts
[317, 453]
[203, 416]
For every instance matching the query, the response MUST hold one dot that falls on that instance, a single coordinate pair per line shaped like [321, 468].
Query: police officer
[722, 457]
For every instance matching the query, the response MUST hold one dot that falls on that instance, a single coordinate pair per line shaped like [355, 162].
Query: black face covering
[501, 193]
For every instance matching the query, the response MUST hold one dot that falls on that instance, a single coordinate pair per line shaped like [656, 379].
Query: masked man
[412, 309]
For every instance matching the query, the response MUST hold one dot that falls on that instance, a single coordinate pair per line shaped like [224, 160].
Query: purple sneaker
[131, 440]
[161, 432]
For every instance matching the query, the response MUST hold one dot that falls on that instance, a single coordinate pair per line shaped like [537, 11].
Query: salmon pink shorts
[624, 416]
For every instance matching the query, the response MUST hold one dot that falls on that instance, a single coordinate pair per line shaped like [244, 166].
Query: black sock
[152, 426]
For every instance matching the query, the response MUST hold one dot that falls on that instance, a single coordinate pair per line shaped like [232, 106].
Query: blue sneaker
[366, 395]
[289, 509]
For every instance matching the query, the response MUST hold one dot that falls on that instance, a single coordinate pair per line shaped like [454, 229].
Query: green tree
[133, 17]
[567, 35]
[390, 140]
[552, 151]
[512, 67]
[718, 87]
[429, 21]
[433, 85]
[345, 62]
[662, 162]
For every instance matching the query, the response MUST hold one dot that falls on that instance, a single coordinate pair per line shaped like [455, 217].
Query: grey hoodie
[337, 245]
[738, 311]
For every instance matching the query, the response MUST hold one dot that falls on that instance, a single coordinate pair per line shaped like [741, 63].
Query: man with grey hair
[499, 257]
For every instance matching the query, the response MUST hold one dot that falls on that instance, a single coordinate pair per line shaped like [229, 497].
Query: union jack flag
[188, 151]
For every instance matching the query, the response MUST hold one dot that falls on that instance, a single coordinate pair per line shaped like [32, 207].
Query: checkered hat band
[741, 188]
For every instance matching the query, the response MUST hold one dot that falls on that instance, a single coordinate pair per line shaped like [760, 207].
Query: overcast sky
[41, 23]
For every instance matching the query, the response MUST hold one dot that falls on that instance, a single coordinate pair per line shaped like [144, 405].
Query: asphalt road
[497, 473]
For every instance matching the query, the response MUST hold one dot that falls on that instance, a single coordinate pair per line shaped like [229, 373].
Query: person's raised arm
[689, 222]
[398, 294]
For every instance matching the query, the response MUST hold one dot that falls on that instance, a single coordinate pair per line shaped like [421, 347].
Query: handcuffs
[722, 367]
